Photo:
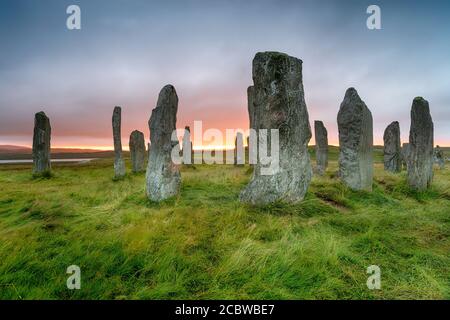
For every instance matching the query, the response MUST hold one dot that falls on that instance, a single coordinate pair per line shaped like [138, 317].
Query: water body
[85, 160]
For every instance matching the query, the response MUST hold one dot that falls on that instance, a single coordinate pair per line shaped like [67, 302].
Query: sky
[126, 51]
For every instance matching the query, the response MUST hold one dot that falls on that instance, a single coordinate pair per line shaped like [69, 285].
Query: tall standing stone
[278, 103]
[137, 151]
[440, 159]
[239, 151]
[187, 146]
[405, 151]
[163, 176]
[355, 142]
[392, 148]
[252, 140]
[41, 144]
[420, 157]
[321, 136]
[119, 163]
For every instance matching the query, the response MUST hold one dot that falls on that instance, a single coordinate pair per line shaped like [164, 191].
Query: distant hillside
[8, 152]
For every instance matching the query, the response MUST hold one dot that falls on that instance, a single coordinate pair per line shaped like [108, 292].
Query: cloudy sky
[126, 51]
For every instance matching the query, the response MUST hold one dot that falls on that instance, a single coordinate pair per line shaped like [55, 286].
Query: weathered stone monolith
[239, 151]
[187, 146]
[355, 142]
[252, 140]
[119, 163]
[405, 150]
[420, 156]
[439, 157]
[392, 148]
[137, 151]
[41, 144]
[321, 136]
[278, 103]
[163, 176]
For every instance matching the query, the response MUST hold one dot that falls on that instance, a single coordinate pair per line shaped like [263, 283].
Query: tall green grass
[204, 244]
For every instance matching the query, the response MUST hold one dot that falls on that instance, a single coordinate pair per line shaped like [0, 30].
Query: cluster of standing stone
[275, 101]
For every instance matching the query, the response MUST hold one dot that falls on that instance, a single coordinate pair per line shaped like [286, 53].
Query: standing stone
[392, 149]
[148, 150]
[41, 144]
[278, 103]
[356, 142]
[137, 151]
[163, 176]
[420, 158]
[239, 151]
[439, 156]
[405, 151]
[321, 136]
[119, 163]
[252, 141]
[187, 146]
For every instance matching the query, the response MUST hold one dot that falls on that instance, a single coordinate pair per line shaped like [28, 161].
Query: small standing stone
[276, 102]
[420, 157]
[163, 178]
[239, 151]
[187, 146]
[119, 163]
[405, 150]
[137, 151]
[392, 149]
[41, 144]
[356, 142]
[321, 136]
[439, 155]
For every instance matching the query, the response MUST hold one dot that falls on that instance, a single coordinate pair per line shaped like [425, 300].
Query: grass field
[206, 245]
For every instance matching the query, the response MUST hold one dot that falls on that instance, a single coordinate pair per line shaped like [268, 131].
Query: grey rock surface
[321, 137]
[137, 151]
[163, 177]
[420, 156]
[41, 144]
[439, 156]
[239, 151]
[119, 163]
[392, 148]
[277, 102]
[355, 126]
